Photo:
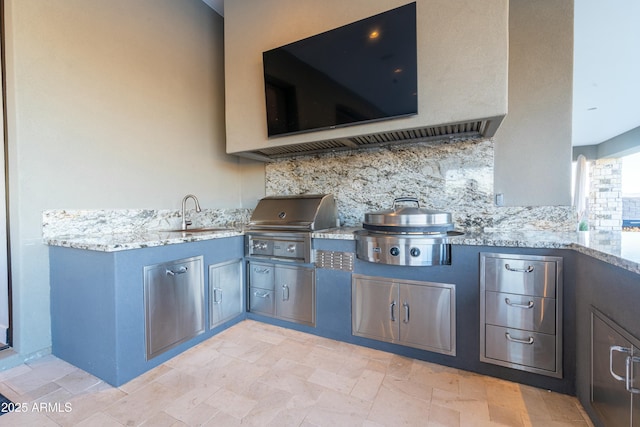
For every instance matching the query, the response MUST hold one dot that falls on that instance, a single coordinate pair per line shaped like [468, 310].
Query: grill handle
[405, 199]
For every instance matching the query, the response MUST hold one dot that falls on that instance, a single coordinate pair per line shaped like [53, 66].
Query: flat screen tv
[362, 72]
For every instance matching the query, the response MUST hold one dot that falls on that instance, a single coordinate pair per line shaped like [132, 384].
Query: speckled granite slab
[454, 177]
[56, 223]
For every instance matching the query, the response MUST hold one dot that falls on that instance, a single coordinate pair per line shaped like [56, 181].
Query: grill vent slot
[470, 129]
[334, 260]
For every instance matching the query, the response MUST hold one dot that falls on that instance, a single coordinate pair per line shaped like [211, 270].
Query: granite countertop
[146, 239]
[621, 249]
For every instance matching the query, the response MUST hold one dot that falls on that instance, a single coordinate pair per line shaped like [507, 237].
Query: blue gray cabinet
[97, 305]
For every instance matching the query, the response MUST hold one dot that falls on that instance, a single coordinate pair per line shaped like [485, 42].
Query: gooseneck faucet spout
[186, 223]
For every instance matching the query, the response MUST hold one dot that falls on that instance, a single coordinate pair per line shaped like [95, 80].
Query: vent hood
[462, 48]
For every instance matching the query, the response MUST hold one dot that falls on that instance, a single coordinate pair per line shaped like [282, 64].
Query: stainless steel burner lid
[408, 219]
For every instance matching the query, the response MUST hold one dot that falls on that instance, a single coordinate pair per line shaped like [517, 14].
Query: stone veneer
[605, 195]
[454, 176]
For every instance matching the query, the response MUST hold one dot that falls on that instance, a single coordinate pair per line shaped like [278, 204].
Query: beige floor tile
[85, 405]
[332, 381]
[77, 381]
[26, 419]
[440, 416]
[367, 385]
[395, 409]
[98, 420]
[338, 409]
[141, 405]
[255, 374]
[231, 403]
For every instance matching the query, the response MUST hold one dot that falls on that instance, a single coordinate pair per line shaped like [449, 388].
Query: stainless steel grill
[411, 236]
[281, 226]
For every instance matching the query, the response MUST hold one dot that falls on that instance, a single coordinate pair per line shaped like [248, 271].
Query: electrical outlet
[499, 199]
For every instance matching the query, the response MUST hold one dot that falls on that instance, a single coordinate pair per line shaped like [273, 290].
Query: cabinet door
[174, 303]
[375, 308]
[609, 396]
[295, 294]
[225, 291]
[425, 314]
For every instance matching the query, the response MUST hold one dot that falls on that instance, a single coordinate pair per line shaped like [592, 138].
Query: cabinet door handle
[391, 307]
[215, 299]
[619, 349]
[285, 288]
[509, 303]
[629, 377]
[261, 270]
[406, 312]
[529, 269]
[181, 270]
[261, 294]
[519, 341]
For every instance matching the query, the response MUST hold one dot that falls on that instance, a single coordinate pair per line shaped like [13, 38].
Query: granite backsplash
[454, 176]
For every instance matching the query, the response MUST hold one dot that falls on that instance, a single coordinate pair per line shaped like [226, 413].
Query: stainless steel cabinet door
[611, 347]
[295, 294]
[375, 308]
[174, 303]
[425, 317]
[225, 291]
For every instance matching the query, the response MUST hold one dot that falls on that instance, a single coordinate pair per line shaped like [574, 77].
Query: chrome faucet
[186, 223]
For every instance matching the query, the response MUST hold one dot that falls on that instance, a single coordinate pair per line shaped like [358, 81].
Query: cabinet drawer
[521, 312]
[520, 347]
[527, 276]
[261, 275]
[262, 301]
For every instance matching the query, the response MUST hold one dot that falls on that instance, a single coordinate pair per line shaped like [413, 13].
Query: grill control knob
[415, 252]
[394, 251]
[259, 246]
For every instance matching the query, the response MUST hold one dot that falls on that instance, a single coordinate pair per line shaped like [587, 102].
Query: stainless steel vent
[471, 129]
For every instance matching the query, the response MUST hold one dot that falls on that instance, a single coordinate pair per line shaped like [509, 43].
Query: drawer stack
[521, 312]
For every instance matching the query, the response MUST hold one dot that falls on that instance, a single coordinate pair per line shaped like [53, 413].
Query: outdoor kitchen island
[333, 294]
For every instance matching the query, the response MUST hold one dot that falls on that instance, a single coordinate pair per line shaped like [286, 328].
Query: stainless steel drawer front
[521, 312]
[521, 347]
[262, 301]
[261, 275]
[521, 276]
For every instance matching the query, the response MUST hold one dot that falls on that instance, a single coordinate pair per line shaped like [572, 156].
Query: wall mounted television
[362, 72]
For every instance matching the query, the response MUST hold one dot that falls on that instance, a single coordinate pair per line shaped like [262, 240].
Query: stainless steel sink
[200, 230]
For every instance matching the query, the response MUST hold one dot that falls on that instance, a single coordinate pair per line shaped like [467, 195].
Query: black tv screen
[362, 72]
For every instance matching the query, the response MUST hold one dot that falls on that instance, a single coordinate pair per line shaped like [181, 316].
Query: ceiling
[606, 86]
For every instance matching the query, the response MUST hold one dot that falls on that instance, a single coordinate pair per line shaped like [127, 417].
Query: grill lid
[300, 212]
[408, 219]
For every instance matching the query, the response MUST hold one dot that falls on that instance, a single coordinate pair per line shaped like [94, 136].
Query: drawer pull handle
[261, 295]
[519, 341]
[261, 270]
[629, 382]
[512, 304]
[529, 269]
[181, 270]
[619, 349]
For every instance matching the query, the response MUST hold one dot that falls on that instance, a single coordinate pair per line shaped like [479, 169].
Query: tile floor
[255, 374]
